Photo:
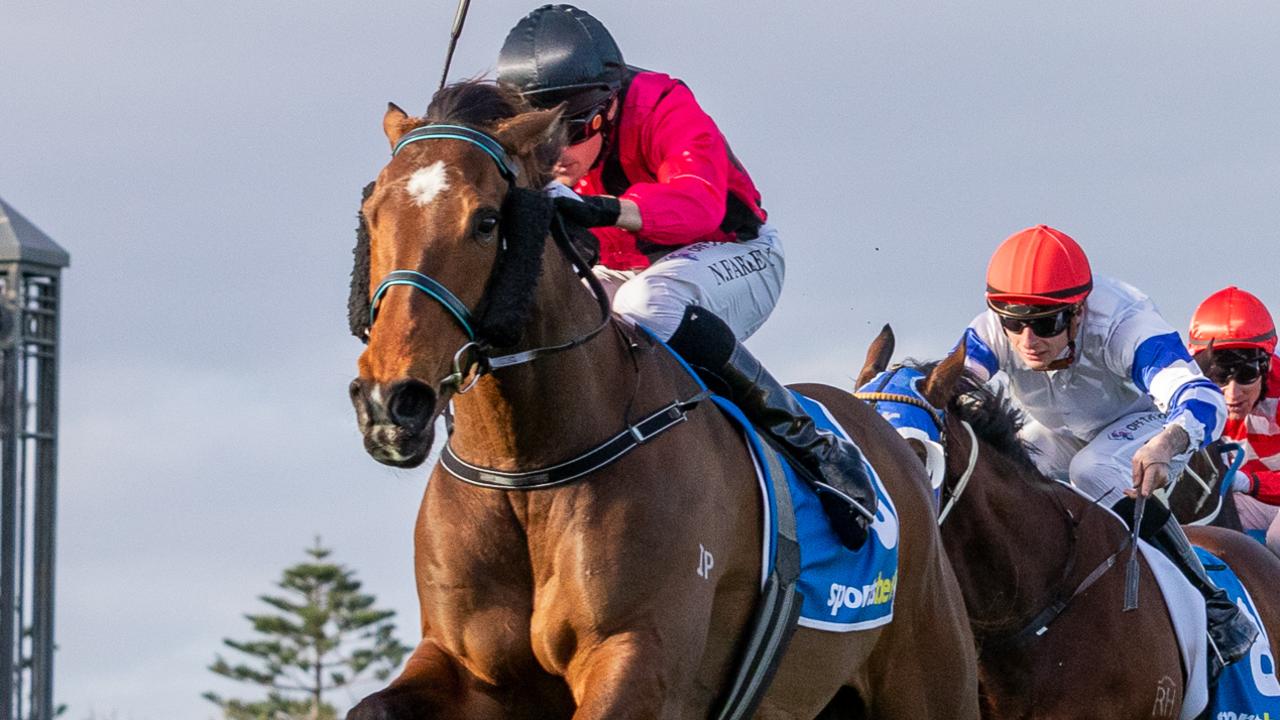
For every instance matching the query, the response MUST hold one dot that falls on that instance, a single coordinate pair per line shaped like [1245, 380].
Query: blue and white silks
[1128, 360]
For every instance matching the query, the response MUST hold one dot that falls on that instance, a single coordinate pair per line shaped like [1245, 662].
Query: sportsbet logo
[880, 591]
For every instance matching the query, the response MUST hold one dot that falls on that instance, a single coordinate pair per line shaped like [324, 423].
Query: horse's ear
[940, 386]
[878, 356]
[396, 123]
[526, 131]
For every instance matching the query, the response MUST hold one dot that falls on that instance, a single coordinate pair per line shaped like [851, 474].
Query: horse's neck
[1010, 542]
[541, 412]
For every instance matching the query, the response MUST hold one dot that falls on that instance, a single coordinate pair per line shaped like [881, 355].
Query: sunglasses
[1244, 373]
[1045, 326]
[587, 125]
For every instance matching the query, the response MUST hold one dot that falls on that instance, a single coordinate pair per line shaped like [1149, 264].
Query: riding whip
[1131, 572]
[458, 18]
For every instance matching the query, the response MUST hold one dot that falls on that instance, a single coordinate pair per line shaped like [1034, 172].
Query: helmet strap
[609, 132]
[1073, 329]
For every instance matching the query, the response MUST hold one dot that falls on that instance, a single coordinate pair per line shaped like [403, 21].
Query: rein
[1039, 623]
[476, 354]
[954, 496]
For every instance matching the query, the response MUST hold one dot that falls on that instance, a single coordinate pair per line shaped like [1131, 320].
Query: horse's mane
[992, 415]
[482, 104]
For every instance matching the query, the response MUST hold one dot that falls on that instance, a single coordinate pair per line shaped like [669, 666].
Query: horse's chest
[475, 587]
[483, 623]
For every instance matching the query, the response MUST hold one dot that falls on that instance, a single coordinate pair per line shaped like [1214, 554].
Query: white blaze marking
[427, 182]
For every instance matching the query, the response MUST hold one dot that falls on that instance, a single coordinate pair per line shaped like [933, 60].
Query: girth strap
[584, 464]
[777, 610]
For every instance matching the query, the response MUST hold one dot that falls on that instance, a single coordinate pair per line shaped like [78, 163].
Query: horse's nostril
[355, 390]
[411, 404]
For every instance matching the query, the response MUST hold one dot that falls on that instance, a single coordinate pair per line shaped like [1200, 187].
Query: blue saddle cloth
[842, 590]
[1247, 689]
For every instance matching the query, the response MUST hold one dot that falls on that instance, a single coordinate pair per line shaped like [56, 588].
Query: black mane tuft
[992, 415]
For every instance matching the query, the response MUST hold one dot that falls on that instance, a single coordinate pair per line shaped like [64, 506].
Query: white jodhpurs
[1257, 515]
[738, 281]
[1104, 465]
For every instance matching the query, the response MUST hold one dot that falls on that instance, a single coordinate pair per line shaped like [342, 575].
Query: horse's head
[451, 244]
[946, 414]
[916, 398]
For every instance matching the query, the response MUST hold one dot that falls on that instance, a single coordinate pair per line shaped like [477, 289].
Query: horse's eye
[486, 224]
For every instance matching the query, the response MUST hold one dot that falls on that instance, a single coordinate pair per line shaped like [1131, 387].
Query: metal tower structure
[30, 268]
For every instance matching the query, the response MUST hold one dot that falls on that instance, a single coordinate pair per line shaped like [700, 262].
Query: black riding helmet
[560, 54]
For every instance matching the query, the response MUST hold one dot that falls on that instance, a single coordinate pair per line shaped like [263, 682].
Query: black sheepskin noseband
[358, 301]
[508, 295]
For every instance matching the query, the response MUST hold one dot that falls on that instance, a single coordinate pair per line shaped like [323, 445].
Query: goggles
[1244, 369]
[1045, 326]
[587, 124]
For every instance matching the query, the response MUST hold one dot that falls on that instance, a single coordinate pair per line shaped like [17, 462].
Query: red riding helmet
[1036, 267]
[1232, 318]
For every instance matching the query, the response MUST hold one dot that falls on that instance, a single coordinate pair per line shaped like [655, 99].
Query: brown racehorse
[1020, 543]
[590, 599]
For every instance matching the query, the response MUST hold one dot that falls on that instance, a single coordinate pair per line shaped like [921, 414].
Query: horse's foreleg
[432, 685]
[624, 676]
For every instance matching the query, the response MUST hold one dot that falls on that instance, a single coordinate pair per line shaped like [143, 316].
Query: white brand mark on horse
[425, 183]
[705, 562]
[1163, 706]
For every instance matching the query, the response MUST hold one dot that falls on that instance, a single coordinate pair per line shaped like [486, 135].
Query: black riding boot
[834, 465]
[1232, 631]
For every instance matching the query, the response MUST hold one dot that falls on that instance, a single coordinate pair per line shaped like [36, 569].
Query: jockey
[1233, 338]
[1114, 402]
[684, 246]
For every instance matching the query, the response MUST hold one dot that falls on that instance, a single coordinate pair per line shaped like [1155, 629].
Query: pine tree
[325, 635]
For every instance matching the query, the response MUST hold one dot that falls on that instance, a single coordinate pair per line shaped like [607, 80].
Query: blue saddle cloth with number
[1247, 689]
[843, 590]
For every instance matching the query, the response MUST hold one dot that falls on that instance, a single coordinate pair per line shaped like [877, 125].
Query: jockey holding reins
[1115, 403]
[1233, 339]
[685, 248]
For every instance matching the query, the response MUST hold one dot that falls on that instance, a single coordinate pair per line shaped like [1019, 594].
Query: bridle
[475, 357]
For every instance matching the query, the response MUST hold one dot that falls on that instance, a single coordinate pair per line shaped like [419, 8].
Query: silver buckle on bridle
[459, 373]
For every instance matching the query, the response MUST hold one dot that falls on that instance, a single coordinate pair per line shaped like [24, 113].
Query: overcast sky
[202, 161]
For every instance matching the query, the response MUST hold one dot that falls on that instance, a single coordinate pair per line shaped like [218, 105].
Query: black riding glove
[590, 211]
